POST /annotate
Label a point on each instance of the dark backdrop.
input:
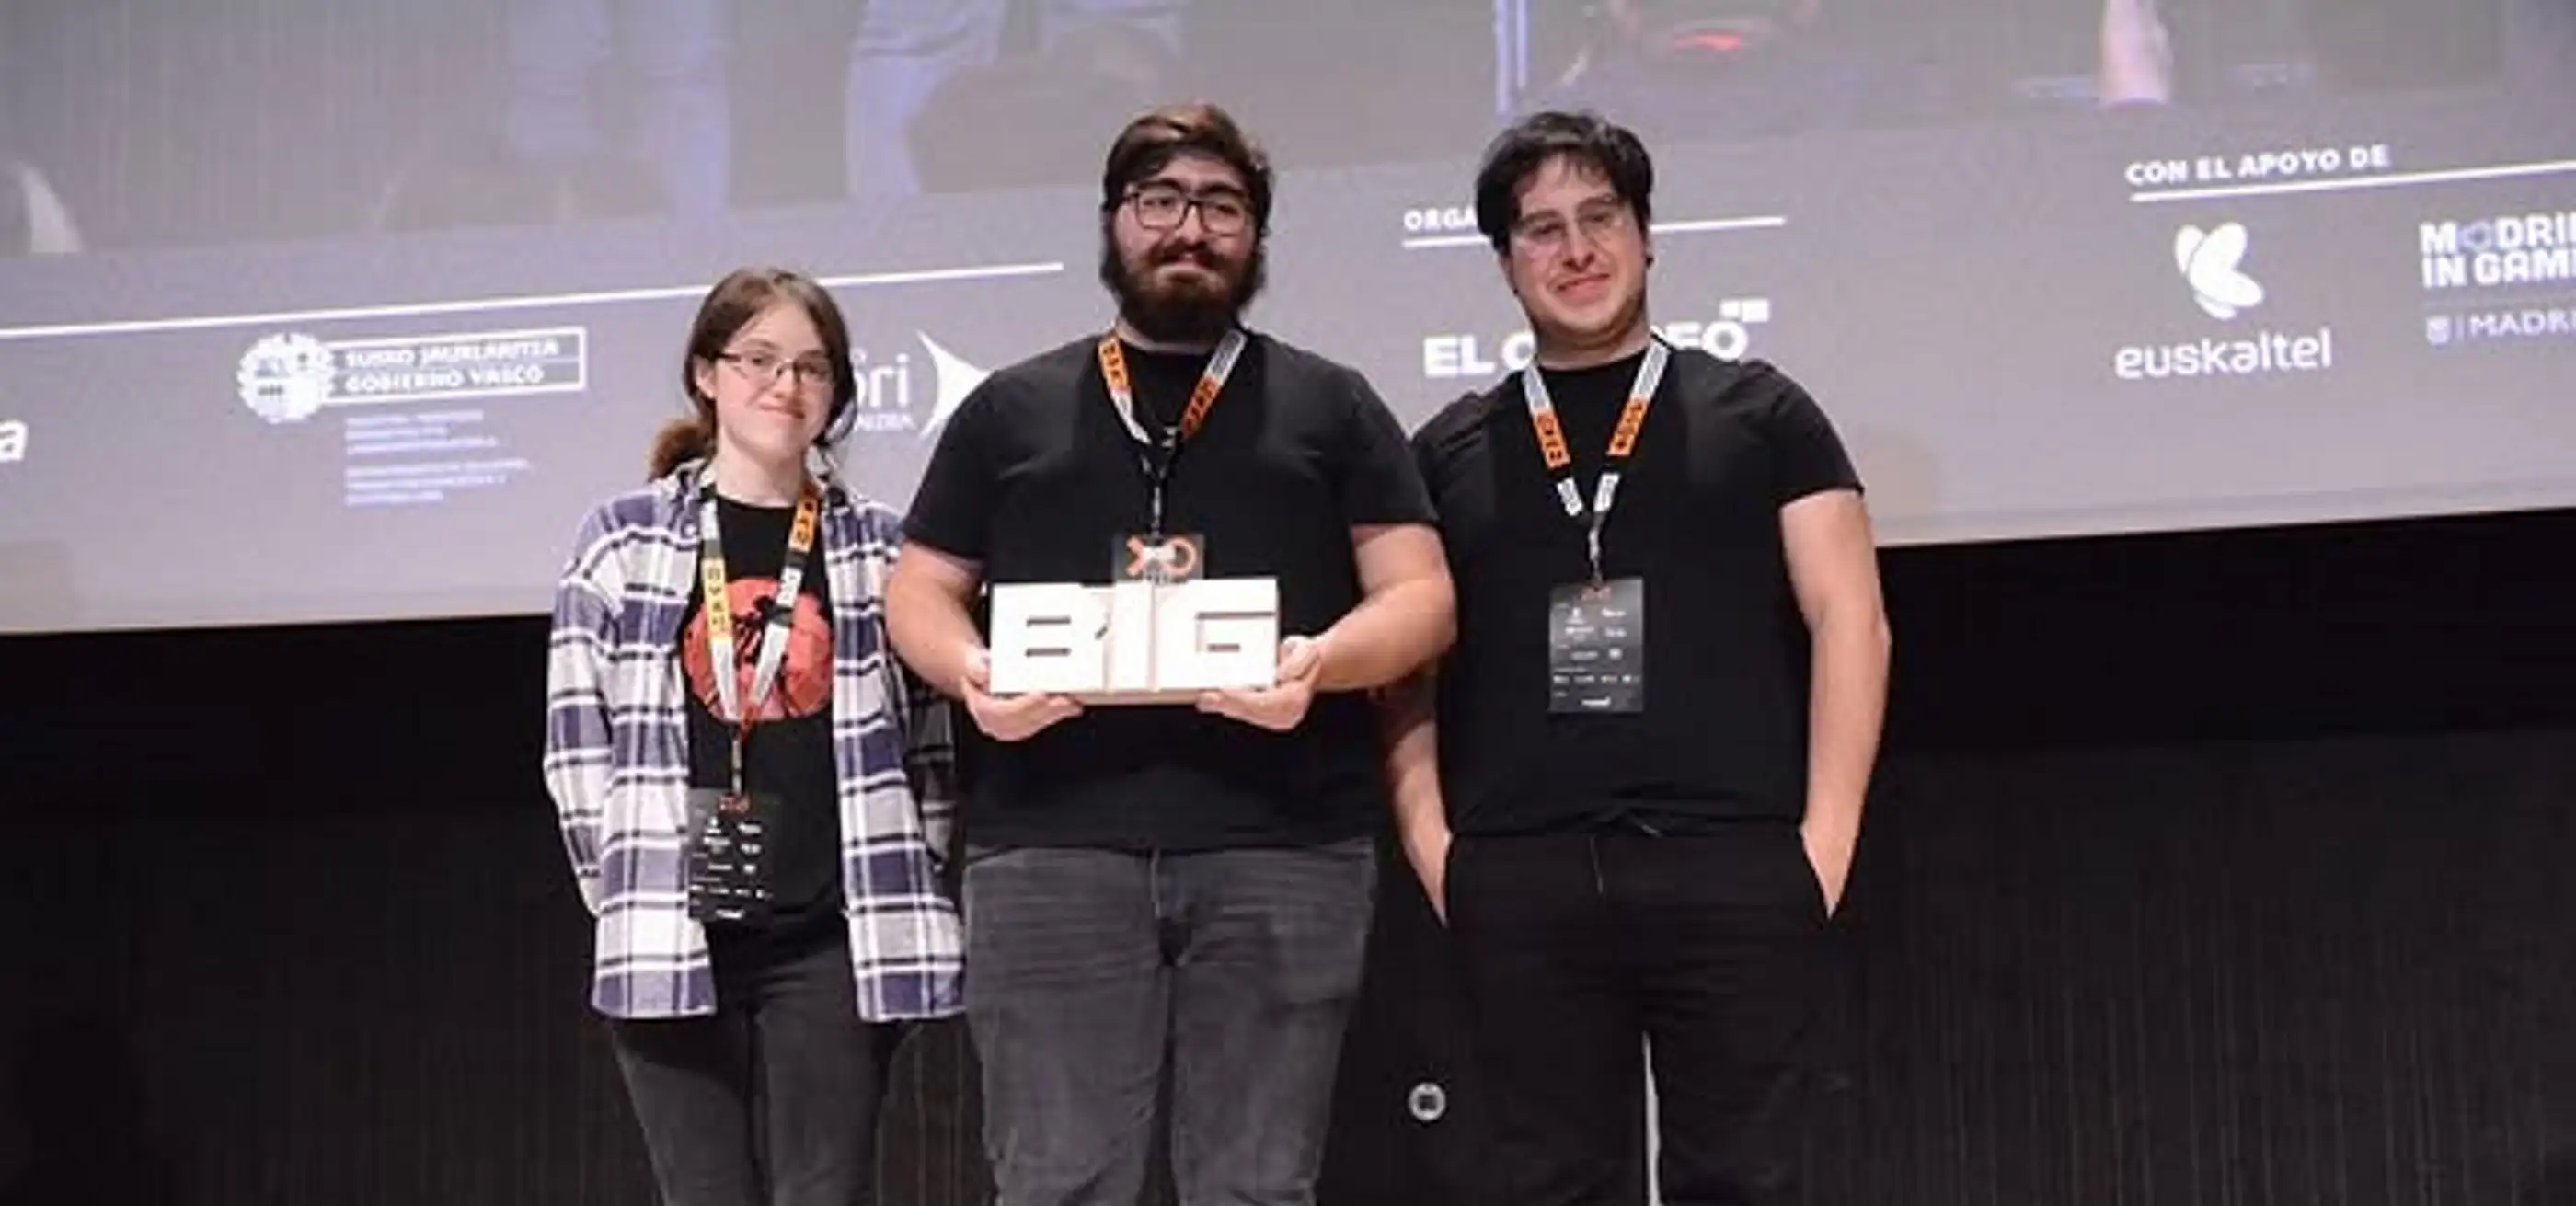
(2213, 868)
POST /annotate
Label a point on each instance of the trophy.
(1159, 634)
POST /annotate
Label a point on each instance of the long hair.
(734, 302)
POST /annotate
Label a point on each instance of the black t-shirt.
(1723, 732)
(789, 751)
(1035, 478)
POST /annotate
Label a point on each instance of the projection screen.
(318, 310)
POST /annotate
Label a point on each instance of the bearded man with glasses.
(1172, 893)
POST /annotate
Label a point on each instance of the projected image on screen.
(344, 309)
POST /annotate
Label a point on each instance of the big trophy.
(1158, 634)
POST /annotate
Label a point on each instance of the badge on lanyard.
(1596, 647)
(728, 839)
(728, 835)
(1171, 559)
(1596, 639)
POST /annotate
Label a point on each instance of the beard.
(1184, 312)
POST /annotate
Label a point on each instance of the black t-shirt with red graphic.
(789, 751)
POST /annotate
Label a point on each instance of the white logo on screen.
(13, 441)
(956, 379)
(885, 394)
(285, 378)
(1728, 336)
(2499, 252)
(2211, 263)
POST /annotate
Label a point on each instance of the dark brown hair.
(729, 307)
(1584, 138)
(1155, 137)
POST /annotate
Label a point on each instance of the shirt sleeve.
(1807, 456)
(952, 509)
(923, 716)
(929, 757)
(577, 744)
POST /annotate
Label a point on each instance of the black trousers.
(1578, 951)
(773, 1100)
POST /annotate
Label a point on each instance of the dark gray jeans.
(1096, 977)
(773, 1100)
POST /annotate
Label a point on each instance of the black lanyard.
(717, 605)
(1158, 456)
(1623, 445)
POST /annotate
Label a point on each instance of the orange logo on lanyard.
(1551, 440)
(1632, 419)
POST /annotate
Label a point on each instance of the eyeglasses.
(1164, 206)
(1598, 220)
(763, 369)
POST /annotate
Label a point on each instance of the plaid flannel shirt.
(617, 762)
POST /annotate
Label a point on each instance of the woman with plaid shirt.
(762, 845)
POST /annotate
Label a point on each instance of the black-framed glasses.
(763, 369)
(1161, 205)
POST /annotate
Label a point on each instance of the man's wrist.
(1320, 648)
(961, 682)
